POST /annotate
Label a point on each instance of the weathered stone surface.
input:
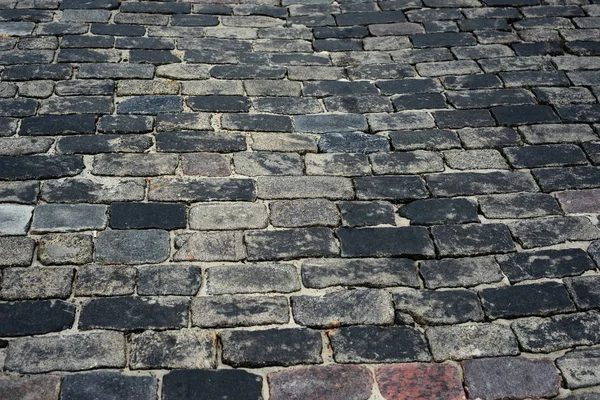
(440, 211)
(420, 380)
(37, 283)
(439, 307)
(16, 251)
(133, 313)
(585, 291)
(470, 341)
(379, 242)
(303, 212)
(580, 368)
(68, 217)
(228, 216)
(32, 387)
(147, 216)
(271, 347)
(511, 377)
(19, 192)
(132, 246)
(579, 201)
(346, 307)
(113, 280)
(544, 335)
(252, 278)
(109, 385)
(374, 344)
(288, 187)
(88, 191)
(198, 141)
(321, 382)
(459, 272)
(342, 164)
(25, 318)
(472, 183)
(553, 230)
(169, 280)
(187, 348)
(290, 243)
(65, 248)
(223, 189)
(210, 246)
(73, 352)
(231, 384)
(472, 239)
(241, 310)
(135, 164)
(544, 264)
(518, 205)
(206, 164)
(14, 219)
(370, 272)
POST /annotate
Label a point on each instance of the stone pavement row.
(299, 199)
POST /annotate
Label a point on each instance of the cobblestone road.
(299, 199)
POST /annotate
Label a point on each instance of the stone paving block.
(146, 216)
(132, 246)
(319, 382)
(544, 335)
(232, 384)
(33, 387)
(405, 381)
(580, 368)
(375, 344)
(553, 230)
(133, 313)
(68, 217)
(271, 347)
(65, 248)
(19, 192)
(459, 342)
(135, 164)
(37, 283)
(472, 239)
(72, 352)
(108, 385)
(16, 251)
(168, 280)
(88, 191)
(224, 189)
(439, 211)
(267, 163)
(341, 308)
(23, 318)
(228, 216)
(473, 183)
(240, 310)
(303, 213)
(365, 213)
(15, 219)
(518, 205)
(459, 272)
(579, 201)
(544, 264)
(96, 280)
(290, 243)
(187, 349)
(584, 291)
(380, 242)
(209, 246)
(252, 278)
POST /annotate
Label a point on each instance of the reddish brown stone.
(206, 164)
(580, 201)
(332, 382)
(35, 387)
(420, 381)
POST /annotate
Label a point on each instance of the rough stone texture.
(229, 384)
(35, 317)
(252, 278)
(471, 340)
(580, 368)
(14, 219)
(189, 349)
(290, 243)
(97, 280)
(32, 387)
(16, 251)
(459, 272)
(37, 283)
(74, 352)
(169, 280)
(242, 310)
(320, 382)
(132, 247)
(472, 239)
(228, 216)
(496, 378)
(554, 230)
(420, 380)
(68, 217)
(348, 307)
(65, 248)
(108, 385)
(210, 246)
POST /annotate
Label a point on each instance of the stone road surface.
(299, 199)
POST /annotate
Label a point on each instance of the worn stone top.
(299, 199)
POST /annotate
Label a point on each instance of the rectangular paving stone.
(290, 243)
(16, 251)
(168, 280)
(538, 299)
(200, 141)
(325, 123)
(68, 217)
(471, 183)
(267, 163)
(257, 122)
(399, 121)
(65, 249)
(303, 213)
(37, 283)
(252, 278)
(72, 352)
(79, 190)
(584, 291)
(545, 155)
(210, 246)
(133, 313)
(366, 213)
(135, 164)
(19, 192)
(414, 162)
(215, 189)
(545, 335)
(132, 246)
(553, 179)
(187, 348)
(579, 368)
(240, 310)
(343, 164)
(385, 242)
(516, 377)
(124, 124)
(430, 139)
(370, 344)
(285, 187)
(459, 272)
(472, 239)
(390, 188)
(147, 216)
(345, 307)
(24, 318)
(553, 230)
(578, 201)
(108, 384)
(518, 205)
(14, 219)
(115, 71)
(228, 216)
(544, 264)
(234, 384)
(369, 272)
(272, 347)
(439, 211)
(98, 280)
(32, 387)
(470, 340)
(39, 167)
